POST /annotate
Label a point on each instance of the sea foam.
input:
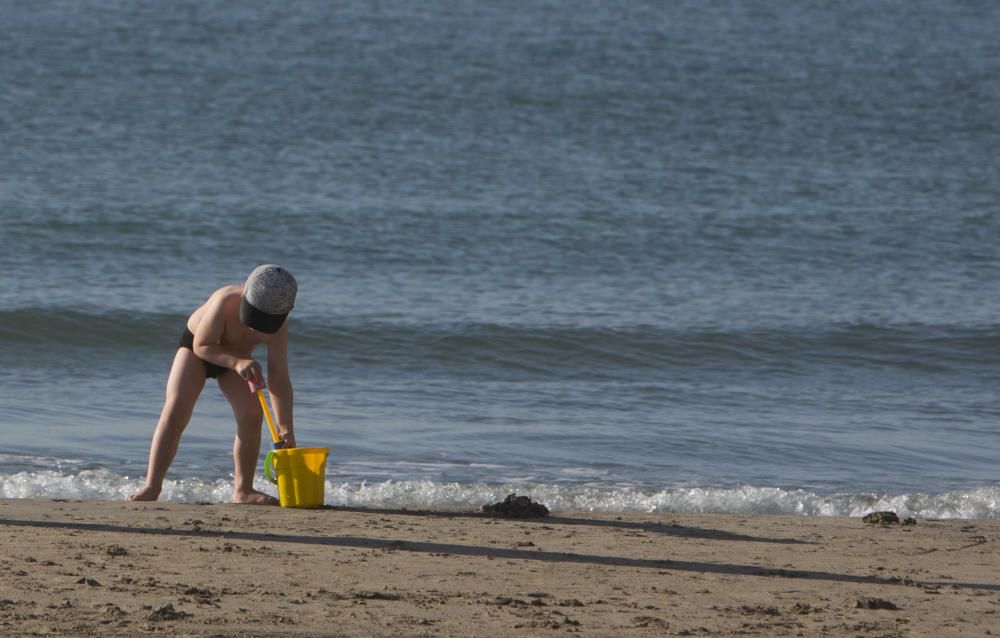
(974, 503)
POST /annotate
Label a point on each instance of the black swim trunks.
(212, 371)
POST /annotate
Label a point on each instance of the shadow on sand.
(671, 529)
(358, 542)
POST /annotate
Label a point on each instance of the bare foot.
(253, 497)
(145, 494)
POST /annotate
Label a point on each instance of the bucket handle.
(268, 464)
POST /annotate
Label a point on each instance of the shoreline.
(116, 568)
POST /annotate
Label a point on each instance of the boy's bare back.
(221, 315)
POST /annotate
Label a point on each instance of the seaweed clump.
(515, 506)
(887, 518)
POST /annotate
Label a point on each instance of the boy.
(217, 344)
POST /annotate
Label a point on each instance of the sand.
(122, 569)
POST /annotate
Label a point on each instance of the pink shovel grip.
(254, 386)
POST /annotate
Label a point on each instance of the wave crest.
(974, 503)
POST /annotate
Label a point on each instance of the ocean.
(626, 257)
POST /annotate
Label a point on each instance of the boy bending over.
(217, 343)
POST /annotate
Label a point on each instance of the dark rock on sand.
(874, 603)
(805, 608)
(760, 609)
(167, 612)
(881, 518)
(515, 506)
(376, 595)
(508, 601)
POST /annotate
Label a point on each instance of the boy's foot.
(145, 494)
(253, 497)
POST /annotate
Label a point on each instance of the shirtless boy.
(218, 343)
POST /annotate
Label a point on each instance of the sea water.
(644, 256)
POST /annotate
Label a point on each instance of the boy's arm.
(208, 335)
(280, 383)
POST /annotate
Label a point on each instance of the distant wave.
(567, 349)
(60, 326)
(977, 503)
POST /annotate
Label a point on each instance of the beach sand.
(109, 568)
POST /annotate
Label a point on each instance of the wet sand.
(108, 568)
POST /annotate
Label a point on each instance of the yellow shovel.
(259, 389)
(277, 443)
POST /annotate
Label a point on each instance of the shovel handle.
(259, 390)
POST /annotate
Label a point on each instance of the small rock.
(760, 609)
(874, 603)
(376, 595)
(881, 518)
(504, 601)
(515, 506)
(167, 612)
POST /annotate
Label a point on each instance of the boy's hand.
(288, 440)
(250, 370)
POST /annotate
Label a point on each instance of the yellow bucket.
(301, 475)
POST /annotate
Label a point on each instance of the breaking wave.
(974, 503)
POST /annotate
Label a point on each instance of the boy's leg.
(186, 380)
(246, 447)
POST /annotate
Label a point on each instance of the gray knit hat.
(268, 297)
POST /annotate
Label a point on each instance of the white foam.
(104, 485)
(975, 503)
